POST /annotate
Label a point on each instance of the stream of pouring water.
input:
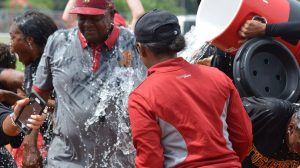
(196, 47)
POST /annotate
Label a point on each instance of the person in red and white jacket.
(183, 115)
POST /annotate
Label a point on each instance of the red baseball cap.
(90, 7)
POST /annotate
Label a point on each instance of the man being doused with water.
(276, 132)
(92, 69)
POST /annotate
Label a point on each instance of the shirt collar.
(35, 63)
(109, 42)
(167, 66)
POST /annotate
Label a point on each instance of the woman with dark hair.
(183, 115)
(29, 33)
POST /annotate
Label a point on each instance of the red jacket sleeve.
(145, 133)
(239, 125)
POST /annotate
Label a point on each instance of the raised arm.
(69, 19)
(137, 10)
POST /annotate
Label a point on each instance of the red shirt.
(186, 115)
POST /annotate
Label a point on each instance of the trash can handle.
(260, 18)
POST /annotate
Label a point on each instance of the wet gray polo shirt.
(91, 122)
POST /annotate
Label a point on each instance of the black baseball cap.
(156, 26)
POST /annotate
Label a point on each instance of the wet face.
(95, 28)
(19, 44)
(293, 139)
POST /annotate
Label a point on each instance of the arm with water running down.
(239, 124)
(145, 133)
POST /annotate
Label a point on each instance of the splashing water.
(193, 43)
(124, 76)
(115, 92)
(196, 47)
(200, 53)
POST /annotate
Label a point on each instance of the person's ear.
(290, 128)
(143, 51)
(29, 41)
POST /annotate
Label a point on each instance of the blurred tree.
(121, 5)
(59, 4)
(176, 6)
(2, 4)
(191, 6)
(24, 4)
(170, 5)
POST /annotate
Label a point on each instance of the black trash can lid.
(263, 67)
